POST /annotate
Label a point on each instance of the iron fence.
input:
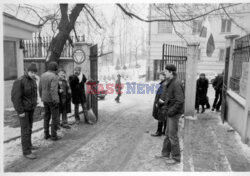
(172, 54)
(38, 47)
(240, 55)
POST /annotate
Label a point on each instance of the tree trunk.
(65, 26)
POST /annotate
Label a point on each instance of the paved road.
(120, 141)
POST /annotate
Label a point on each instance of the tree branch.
(75, 13)
(242, 28)
(131, 15)
(92, 17)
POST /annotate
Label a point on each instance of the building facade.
(14, 31)
(162, 32)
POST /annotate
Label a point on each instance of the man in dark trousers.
(217, 85)
(173, 108)
(24, 98)
(77, 84)
(118, 88)
(48, 89)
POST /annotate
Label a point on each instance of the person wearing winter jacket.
(217, 85)
(48, 90)
(157, 111)
(65, 98)
(24, 99)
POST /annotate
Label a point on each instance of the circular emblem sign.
(79, 56)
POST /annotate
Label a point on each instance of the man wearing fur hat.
(24, 99)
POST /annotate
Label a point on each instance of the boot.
(203, 109)
(30, 156)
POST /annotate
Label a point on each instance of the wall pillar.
(20, 60)
(190, 85)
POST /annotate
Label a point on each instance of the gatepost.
(81, 56)
(191, 71)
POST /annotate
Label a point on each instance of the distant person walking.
(64, 97)
(118, 88)
(77, 84)
(173, 110)
(217, 85)
(24, 99)
(157, 107)
(201, 93)
(48, 89)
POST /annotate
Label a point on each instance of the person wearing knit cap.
(48, 90)
(24, 99)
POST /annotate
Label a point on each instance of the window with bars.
(197, 25)
(239, 77)
(226, 25)
(164, 27)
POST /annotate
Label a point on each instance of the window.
(197, 25)
(10, 61)
(226, 25)
(164, 27)
(222, 55)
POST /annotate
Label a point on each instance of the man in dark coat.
(201, 92)
(77, 84)
(48, 89)
(118, 88)
(65, 98)
(173, 108)
(217, 85)
(157, 111)
(24, 99)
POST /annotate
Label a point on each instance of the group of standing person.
(56, 93)
(167, 109)
(201, 93)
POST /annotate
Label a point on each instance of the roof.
(14, 18)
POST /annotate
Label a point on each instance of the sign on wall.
(79, 56)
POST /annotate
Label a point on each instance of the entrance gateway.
(172, 54)
(85, 56)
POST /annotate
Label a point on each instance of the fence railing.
(172, 54)
(38, 47)
(240, 56)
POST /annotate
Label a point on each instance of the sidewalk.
(210, 145)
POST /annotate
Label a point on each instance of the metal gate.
(225, 85)
(172, 54)
(94, 78)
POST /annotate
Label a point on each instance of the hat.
(170, 67)
(32, 67)
(53, 66)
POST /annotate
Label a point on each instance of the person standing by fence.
(173, 109)
(48, 90)
(24, 99)
(217, 85)
(201, 93)
(64, 97)
(157, 107)
(77, 84)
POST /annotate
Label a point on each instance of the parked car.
(210, 75)
(101, 93)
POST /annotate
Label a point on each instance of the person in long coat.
(118, 88)
(77, 84)
(157, 107)
(201, 92)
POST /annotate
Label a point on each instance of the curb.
(36, 130)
